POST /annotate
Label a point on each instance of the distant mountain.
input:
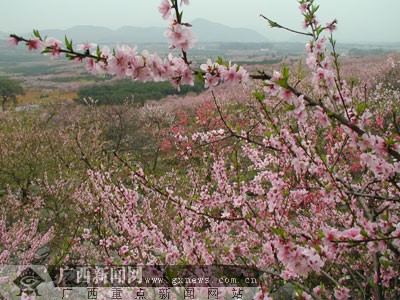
(80, 34)
(205, 31)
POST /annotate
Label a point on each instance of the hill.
(205, 31)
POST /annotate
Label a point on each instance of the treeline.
(367, 52)
(118, 92)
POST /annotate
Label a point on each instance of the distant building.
(27, 107)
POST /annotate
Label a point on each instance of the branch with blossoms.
(123, 61)
(178, 34)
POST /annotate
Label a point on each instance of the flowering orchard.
(299, 178)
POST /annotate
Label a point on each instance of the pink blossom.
(352, 234)
(330, 234)
(303, 7)
(209, 67)
(86, 233)
(322, 117)
(379, 121)
(211, 80)
(187, 77)
(380, 168)
(276, 76)
(91, 66)
(180, 37)
(34, 44)
(319, 45)
(54, 45)
(286, 94)
(120, 62)
(342, 293)
(165, 9)
(331, 26)
(365, 118)
(124, 249)
(13, 41)
(109, 242)
(305, 24)
(212, 73)
(299, 111)
(365, 142)
(312, 61)
(317, 290)
(271, 89)
(86, 46)
(229, 74)
(242, 76)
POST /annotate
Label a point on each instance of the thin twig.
(274, 24)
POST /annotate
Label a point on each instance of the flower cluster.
(179, 36)
(126, 62)
(20, 240)
(50, 45)
(178, 33)
(217, 72)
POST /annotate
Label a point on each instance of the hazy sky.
(359, 20)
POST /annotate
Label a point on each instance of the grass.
(44, 96)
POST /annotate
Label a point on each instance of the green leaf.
(47, 50)
(37, 34)
(290, 107)
(234, 157)
(98, 51)
(200, 77)
(364, 233)
(259, 95)
(390, 142)
(68, 44)
(385, 263)
(220, 60)
(314, 8)
(361, 107)
(70, 56)
(319, 30)
(279, 231)
(273, 24)
(285, 72)
(283, 83)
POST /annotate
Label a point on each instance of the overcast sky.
(359, 20)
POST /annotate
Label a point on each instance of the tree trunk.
(378, 285)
